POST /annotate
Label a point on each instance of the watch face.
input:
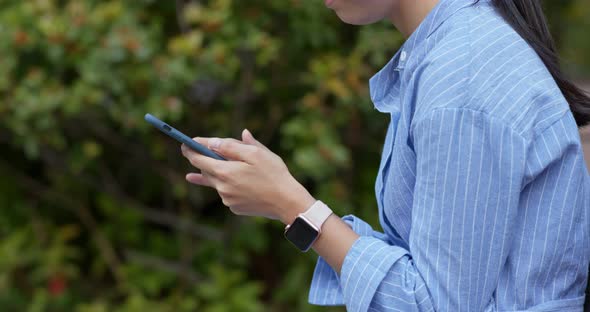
(301, 234)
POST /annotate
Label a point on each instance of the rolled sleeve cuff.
(325, 286)
(365, 266)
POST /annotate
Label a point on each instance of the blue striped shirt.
(483, 193)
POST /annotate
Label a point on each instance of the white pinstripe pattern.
(464, 211)
(444, 191)
(483, 238)
(551, 208)
(427, 251)
(510, 74)
(486, 82)
(444, 80)
(481, 157)
(355, 288)
(490, 45)
(493, 227)
(509, 92)
(517, 102)
(399, 213)
(546, 177)
(493, 162)
(452, 212)
(428, 173)
(481, 25)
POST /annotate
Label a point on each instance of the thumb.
(249, 139)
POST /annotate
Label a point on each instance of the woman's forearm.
(334, 242)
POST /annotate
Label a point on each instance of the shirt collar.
(385, 81)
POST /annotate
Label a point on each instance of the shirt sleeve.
(469, 172)
(325, 284)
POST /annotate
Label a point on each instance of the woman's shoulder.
(478, 62)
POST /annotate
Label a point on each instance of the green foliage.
(95, 214)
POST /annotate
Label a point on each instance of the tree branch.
(179, 16)
(162, 264)
(83, 213)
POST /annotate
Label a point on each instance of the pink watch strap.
(317, 213)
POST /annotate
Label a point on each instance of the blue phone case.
(181, 137)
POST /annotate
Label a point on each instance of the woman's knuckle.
(221, 172)
(256, 152)
(236, 211)
(194, 161)
(223, 192)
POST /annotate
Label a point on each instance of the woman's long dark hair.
(527, 19)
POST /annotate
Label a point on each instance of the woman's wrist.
(296, 202)
(337, 237)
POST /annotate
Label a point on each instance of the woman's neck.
(408, 14)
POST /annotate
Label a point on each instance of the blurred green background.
(95, 214)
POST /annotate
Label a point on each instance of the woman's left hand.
(253, 181)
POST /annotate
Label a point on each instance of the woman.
(482, 191)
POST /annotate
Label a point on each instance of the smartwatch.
(306, 228)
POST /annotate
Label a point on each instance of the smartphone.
(181, 137)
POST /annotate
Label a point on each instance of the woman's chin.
(354, 19)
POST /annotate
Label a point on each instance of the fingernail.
(214, 143)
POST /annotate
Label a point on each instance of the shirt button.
(403, 56)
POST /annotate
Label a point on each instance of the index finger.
(213, 166)
(199, 160)
(229, 148)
